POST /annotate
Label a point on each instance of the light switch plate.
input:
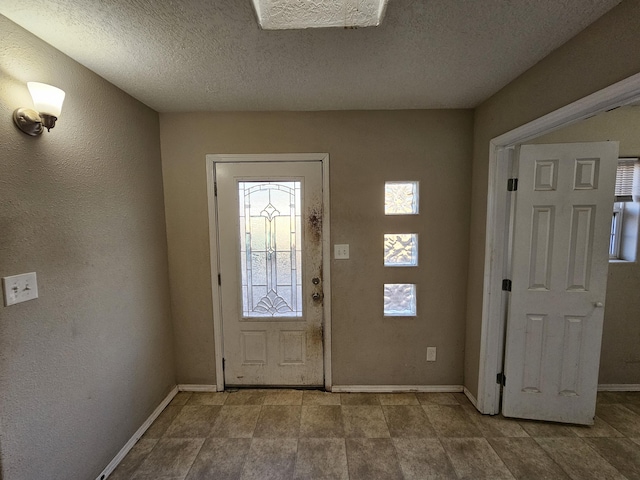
(341, 252)
(19, 288)
(431, 354)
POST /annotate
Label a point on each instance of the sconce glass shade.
(47, 99)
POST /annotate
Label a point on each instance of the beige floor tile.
(622, 453)
(600, 428)
(451, 421)
(398, 399)
(359, 399)
(171, 458)
(474, 459)
(494, 425)
(236, 421)
(321, 458)
(635, 440)
(407, 421)
(270, 459)
(618, 397)
(317, 397)
(220, 459)
(462, 399)
(526, 459)
(181, 398)
(372, 458)
(160, 425)
(278, 421)
(321, 421)
(366, 421)
(134, 459)
(283, 397)
(437, 398)
(546, 429)
(193, 421)
(207, 398)
(621, 418)
(632, 397)
(246, 397)
(634, 407)
(578, 459)
(610, 397)
(423, 459)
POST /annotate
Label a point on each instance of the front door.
(559, 277)
(270, 241)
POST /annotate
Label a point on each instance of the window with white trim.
(626, 211)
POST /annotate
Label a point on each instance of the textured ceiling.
(211, 55)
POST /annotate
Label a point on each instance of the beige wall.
(620, 356)
(597, 57)
(84, 365)
(366, 148)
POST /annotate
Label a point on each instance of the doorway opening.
(497, 253)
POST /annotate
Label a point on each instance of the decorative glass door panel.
(270, 248)
(270, 241)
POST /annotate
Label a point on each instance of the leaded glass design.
(399, 300)
(400, 249)
(401, 198)
(270, 248)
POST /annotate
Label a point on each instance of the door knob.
(316, 296)
(598, 304)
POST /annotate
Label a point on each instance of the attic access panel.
(301, 14)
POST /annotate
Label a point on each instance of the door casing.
(496, 260)
(211, 161)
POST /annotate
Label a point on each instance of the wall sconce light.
(47, 101)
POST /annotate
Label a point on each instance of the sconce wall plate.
(28, 120)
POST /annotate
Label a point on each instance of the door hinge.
(219, 280)
(506, 285)
(223, 364)
(501, 379)
(215, 189)
(512, 184)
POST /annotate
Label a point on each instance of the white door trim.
(211, 160)
(495, 264)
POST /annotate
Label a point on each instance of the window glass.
(401, 198)
(271, 260)
(400, 249)
(399, 300)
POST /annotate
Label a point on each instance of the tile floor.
(292, 434)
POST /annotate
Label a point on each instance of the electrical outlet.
(19, 288)
(341, 252)
(431, 354)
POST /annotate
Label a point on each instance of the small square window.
(399, 300)
(401, 198)
(400, 249)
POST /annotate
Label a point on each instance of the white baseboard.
(136, 436)
(471, 398)
(619, 387)
(184, 387)
(396, 388)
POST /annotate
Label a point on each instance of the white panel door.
(270, 242)
(560, 259)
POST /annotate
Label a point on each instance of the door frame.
(211, 161)
(497, 259)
